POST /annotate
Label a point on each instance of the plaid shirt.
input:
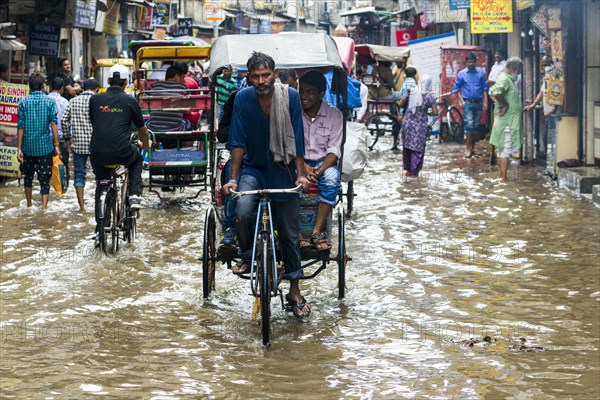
(76, 123)
(36, 112)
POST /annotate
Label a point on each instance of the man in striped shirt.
(37, 117)
(77, 128)
(225, 86)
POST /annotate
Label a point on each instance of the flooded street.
(438, 264)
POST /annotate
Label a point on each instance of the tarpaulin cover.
(369, 53)
(289, 50)
(345, 47)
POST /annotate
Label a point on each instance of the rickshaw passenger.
(271, 159)
(323, 128)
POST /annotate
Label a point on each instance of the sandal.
(242, 267)
(319, 240)
(305, 243)
(297, 307)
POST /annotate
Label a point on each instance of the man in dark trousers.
(111, 115)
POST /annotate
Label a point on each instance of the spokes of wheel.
(455, 125)
(108, 235)
(209, 253)
(342, 258)
(264, 288)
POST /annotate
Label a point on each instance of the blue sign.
(44, 40)
(85, 14)
(460, 5)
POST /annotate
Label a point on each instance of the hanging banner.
(491, 16)
(540, 19)
(108, 22)
(164, 13)
(556, 91)
(556, 45)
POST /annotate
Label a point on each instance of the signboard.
(159, 34)
(43, 40)
(164, 13)
(426, 55)
(540, 19)
(525, 4)
(460, 5)
(10, 96)
(85, 14)
(403, 36)
(185, 27)
(108, 22)
(491, 16)
(9, 164)
(214, 13)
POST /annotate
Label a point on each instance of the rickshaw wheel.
(377, 125)
(350, 198)
(209, 253)
(341, 256)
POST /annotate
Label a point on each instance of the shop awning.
(11, 45)
(368, 10)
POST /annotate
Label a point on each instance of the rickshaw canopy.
(371, 53)
(289, 50)
(109, 62)
(171, 53)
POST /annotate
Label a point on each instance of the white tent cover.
(289, 50)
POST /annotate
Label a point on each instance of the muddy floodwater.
(460, 287)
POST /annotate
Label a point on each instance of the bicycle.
(264, 275)
(452, 124)
(117, 219)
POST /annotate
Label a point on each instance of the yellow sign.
(9, 165)
(491, 16)
(525, 4)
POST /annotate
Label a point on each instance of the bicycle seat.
(112, 166)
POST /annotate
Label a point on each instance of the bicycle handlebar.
(263, 192)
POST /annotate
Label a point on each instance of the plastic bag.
(355, 151)
(59, 176)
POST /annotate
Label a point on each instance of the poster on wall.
(491, 16)
(556, 91)
(556, 45)
(164, 13)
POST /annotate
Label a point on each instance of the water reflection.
(439, 263)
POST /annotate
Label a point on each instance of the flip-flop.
(244, 265)
(296, 307)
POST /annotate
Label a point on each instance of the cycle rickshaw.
(318, 51)
(381, 113)
(178, 120)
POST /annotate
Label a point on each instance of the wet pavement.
(460, 287)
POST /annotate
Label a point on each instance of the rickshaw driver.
(323, 134)
(258, 111)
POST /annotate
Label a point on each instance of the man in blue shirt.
(37, 118)
(254, 110)
(471, 86)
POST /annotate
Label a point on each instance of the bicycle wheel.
(107, 235)
(264, 286)
(456, 127)
(208, 253)
(378, 125)
(350, 198)
(341, 256)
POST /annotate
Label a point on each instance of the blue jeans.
(329, 183)
(229, 203)
(472, 116)
(79, 164)
(285, 216)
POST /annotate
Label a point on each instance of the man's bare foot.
(299, 305)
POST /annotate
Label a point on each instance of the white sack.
(355, 151)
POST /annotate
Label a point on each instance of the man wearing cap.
(111, 115)
(225, 86)
(77, 129)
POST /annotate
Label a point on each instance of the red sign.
(403, 36)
